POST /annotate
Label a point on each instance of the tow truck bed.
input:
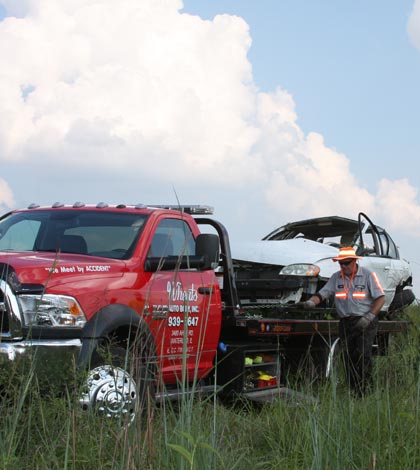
(266, 327)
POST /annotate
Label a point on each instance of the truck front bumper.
(50, 361)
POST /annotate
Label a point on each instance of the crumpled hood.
(283, 252)
(40, 268)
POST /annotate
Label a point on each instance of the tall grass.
(338, 431)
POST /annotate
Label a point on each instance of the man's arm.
(324, 293)
(313, 301)
(368, 318)
(377, 305)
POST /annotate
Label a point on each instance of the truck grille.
(4, 316)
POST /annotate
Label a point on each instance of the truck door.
(184, 305)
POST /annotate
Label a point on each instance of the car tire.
(403, 298)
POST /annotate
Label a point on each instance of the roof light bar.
(193, 209)
(196, 209)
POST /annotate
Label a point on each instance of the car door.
(380, 254)
(185, 307)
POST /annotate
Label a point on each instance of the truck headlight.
(300, 269)
(51, 310)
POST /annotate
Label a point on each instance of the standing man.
(359, 298)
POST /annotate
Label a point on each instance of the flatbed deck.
(266, 327)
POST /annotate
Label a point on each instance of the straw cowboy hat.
(346, 253)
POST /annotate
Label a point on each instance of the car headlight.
(301, 269)
(51, 310)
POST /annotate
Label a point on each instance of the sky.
(270, 111)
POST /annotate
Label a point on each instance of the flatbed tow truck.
(144, 305)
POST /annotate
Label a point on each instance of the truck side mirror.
(207, 246)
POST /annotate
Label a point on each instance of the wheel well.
(407, 283)
(123, 335)
(129, 336)
(114, 325)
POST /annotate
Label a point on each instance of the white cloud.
(144, 87)
(317, 181)
(398, 206)
(6, 195)
(414, 24)
(137, 79)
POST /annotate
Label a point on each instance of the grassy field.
(380, 431)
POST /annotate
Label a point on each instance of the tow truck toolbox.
(142, 304)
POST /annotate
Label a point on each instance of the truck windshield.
(94, 233)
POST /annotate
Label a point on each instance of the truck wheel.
(119, 385)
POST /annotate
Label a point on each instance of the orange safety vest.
(356, 295)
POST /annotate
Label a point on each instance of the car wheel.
(403, 298)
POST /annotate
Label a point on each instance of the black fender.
(108, 320)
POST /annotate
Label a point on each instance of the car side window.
(369, 244)
(389, 246)
(173, 237)
(393, 250)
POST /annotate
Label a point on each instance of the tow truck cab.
(71, 275)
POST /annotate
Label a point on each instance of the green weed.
(338, 431)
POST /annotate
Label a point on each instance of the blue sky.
(270, 110)
(351, 69)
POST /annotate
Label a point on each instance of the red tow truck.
(143, 304)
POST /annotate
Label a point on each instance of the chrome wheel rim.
(111, 392)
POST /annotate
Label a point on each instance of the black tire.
(403, 298)
(119, 383)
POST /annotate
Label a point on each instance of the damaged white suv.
(294, 261)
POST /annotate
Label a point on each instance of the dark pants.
(357, 347)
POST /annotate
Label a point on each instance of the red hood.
(36, 268)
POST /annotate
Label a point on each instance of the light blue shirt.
(353, 295)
